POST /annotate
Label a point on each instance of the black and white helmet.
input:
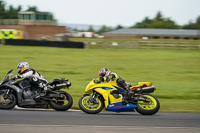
(104, 72)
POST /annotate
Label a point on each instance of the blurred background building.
(31, 25)
(140, 33)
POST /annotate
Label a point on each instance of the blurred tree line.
(12, 13)
(158, 22)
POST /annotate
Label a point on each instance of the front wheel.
(7, 102)
(89, 105)
(149, 107)
(62, 104)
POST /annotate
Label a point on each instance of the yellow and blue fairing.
(111, 103)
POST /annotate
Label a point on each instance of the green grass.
(175, 73)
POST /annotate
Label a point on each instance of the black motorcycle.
(23, 94)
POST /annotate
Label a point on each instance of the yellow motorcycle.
(109, 96)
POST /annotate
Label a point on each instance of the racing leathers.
(35, 79)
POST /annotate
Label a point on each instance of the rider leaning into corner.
(34, 77)
(105, 75)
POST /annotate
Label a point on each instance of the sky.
(113, 12)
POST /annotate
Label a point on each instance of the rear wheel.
(62, 104)
(7, 102)
(90, 106)
(149, 107)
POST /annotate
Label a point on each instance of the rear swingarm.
(49, 99)
(53, 97)
(140, 97)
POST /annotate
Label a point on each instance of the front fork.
(93, 97)
(5, 98)
(6, 94)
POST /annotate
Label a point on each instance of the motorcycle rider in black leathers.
(106, 75)
(34, 77)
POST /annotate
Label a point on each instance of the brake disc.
(91, 104)
(3, 100)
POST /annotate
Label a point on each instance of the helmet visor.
(22, 70)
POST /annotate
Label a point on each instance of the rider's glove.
(17, 77)
(96, 81)
(101, 79)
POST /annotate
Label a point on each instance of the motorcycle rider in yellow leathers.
(105, 75)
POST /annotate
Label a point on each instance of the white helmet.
(22, 66)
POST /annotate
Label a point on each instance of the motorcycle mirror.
(10, 71)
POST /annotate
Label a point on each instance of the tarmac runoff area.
(15, 128)
(25, 121)
(16, 107)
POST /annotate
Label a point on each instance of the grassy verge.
(175, 73)
(139, 43)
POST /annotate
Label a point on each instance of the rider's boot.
(127, 96)
(130, 93)
(45, 89)
(124, 100)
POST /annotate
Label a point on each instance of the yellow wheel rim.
(85, 99)
(148, 105)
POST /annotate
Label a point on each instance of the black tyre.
(148, 108)
(9, 102)
(89, 107)
(62, 104)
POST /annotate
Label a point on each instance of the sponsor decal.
(118, 106)
(111, 105)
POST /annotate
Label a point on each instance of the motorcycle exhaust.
(61, 85)
(148, 89)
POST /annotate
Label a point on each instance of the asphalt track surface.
(71, 121)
